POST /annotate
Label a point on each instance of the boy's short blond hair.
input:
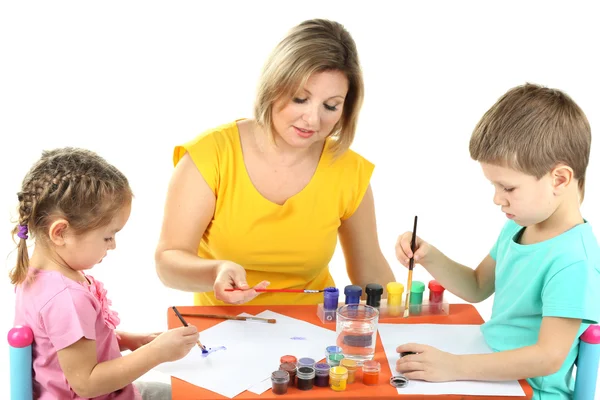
(533, 129)
(313, 46)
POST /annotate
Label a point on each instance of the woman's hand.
(233, 276)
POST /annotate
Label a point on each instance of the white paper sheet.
(456, 339)
(253, 353)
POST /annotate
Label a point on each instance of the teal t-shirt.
(559, 277)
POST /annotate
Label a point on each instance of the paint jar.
(395, 291)
(356, 329)
(337, 378)
(305, 378)
(353, 293)
(351, 366)
(331, 297)
(436, 296)
(334, 359)
(306, 362)
(374, 292)
(322, 374)
(291, 370)
(288, 359)
(416, 297)
(371, 370)
(279, 381)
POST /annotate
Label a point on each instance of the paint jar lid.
(353, 290)
(322, 369)
(331, 292)
(417, 287)
(306, 373)
(336, 357)
(435, 286)
(374, 289)
(395, 288)
(332, 349)
(288, 359)
(306, 362)
(338, 373)
(371, 366)
(350, 365)
(280, 377)
(288, 367)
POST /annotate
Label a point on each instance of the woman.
(261, 201)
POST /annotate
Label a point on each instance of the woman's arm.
(358, 236)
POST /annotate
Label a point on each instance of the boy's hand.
(428, 364)
(174, 344)
(423, 249)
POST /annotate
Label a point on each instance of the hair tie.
(22, 233)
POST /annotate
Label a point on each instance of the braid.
(75, 184)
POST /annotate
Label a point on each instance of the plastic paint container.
(322, 374)
(337, 378)
(353, 293)
(351, 366)
(371, 370)
(306, 362)
(305, 377)
(395, 291)
(288, 359)
(279, 381)
(416, 297)
(334, 359)
(374, 292)
(331, 297)
(291, 370)
(436, 296)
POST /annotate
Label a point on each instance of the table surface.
(459, 314)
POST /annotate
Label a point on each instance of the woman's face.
(310, 115)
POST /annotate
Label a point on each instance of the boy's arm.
(468, 284)
(543, 358)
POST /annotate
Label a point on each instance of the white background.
(131, 80)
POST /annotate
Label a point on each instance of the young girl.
(73, 203)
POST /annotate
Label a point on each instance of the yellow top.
(289, 245)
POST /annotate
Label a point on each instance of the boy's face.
(522, 197)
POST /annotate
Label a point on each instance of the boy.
(534, 146)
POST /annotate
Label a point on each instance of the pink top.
(61, 311)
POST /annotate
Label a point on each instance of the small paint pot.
(334, 359)
(371, 371)
(338, 377)
(351, 366)
(322, 374)
(288, 359)
(306, 362)
(279, 381)
(305, 378)
(291, 370)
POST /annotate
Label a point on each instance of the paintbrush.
(234, 317)
(411, 265)
(183, 321)
(279, 290)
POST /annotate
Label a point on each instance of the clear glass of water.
(356, 329)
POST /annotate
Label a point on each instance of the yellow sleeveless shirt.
(289, 245)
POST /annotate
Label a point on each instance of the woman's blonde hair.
(313, 46)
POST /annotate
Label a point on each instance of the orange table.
(459, 314)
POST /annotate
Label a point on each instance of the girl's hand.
(137, 340)
(233, 276)
(428, 364)
(174, 344)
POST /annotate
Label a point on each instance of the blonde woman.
(259, 202)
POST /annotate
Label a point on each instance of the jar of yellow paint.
(351, 366)
(394, 299)
(338, 376)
